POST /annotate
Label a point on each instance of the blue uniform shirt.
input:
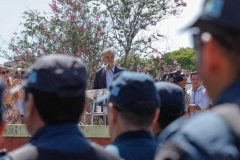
(63, 137)
(137, 145)
(206, 135)
(230, 95)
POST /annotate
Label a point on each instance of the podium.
(95, 111)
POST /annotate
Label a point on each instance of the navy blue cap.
(172, 99)
(225, 13)
(62, 75)
(127, 88)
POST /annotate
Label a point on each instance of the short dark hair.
(164, 120)
(135, 119)
(55, 110)
(193, 73)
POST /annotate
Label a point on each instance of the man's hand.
(171, 80)
(194, 107)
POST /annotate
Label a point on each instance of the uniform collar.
(66, 128)
(198, 89)
(134, 135)
(230, 94)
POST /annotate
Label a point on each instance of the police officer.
(172, 106)
(209, 135)
(54, 100)
(133, 106)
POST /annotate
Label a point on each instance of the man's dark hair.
(164, 120)
(55, 110)
(134, 119)
(193, 73)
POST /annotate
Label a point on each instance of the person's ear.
(84, 109)
(29, 106)
(156, 116)
(113, 113)
(212, 57)
(2, 126)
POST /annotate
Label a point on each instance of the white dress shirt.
(109, 75)
(199, 97)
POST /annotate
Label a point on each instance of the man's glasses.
(5, 72)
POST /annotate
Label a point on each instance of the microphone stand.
(108, 65)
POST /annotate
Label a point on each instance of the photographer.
(180, 78)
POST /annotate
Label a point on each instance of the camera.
(175, 75)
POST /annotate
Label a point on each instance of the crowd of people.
(147, 119)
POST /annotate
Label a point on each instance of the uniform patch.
(214, 7)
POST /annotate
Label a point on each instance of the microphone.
(108, 64)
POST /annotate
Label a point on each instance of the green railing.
(20, 130)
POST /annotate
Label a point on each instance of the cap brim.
(18, 87)
(199, 23)
(103, 98)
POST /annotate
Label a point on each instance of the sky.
(11, 12)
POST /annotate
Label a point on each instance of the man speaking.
(104, 75)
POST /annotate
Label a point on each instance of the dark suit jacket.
(100, 77)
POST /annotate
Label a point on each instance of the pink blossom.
(12, 39)
(56, 15)
(153, 22)
(184, 71)
(69, 1)
(176, 1)
(92, 25)
(169, 67)
(81, 14)
(63, 16)
(81, 29)
(17, 51)
(173, 11)
(72, 17)
(149, 39)
(184, 4)
(56, 37)
(78, 3)
(70, 8)
(175, 62)
(64, 52)
(99, 32)
(41, 25)
(21, 62)
(160, 63)
(99, 66)
(141, 69)
(30, 51)
(40, 47)
(54, 1)
(162, 71)
(78, 53)
(85, 50)
(155, 50)
(97, 17)
(53, 6)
